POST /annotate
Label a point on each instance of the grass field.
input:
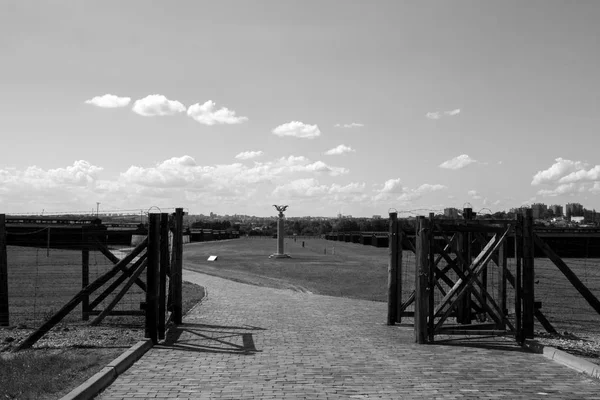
(358, 271)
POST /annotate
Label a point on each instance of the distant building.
(577, 219)
(557, 210)
(573, 210)
(451, 212)
(376, 216)
(538, 210)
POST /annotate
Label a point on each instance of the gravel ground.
(584, 345)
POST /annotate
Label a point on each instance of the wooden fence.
(455, 264)
(158, 256)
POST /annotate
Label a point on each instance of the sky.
(352, 107)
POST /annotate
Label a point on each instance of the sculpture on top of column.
(280, 233)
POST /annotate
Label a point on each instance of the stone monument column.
(280, 233)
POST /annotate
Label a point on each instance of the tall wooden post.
(463, 310)
(518, 277)
(152, 269)
(501, 277)
(431, 280)
(177, 267)
(421, 279)
(164, 265)
(528, 275)
(4, 312)
(393, 270)
(85, 280)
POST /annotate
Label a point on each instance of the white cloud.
(109, 101)
(350, 125)
(247, 155)
(562, 167)
(392, 186)
(207, 115)
(440, 114)
(341, 149)
(458, 162)
(297, 129)
(308, 187)
(354, 187)
(393, 190)
(157, 105)
(583, 175)
(474, 194)
(564, 189)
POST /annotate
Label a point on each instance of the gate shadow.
(205, 338)
(481, 342)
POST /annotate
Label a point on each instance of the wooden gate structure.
(157, 255)
(455, 262)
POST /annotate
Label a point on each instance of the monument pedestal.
(280, 256)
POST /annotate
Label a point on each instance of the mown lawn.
(52, 373)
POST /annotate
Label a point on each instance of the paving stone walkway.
(250, 342)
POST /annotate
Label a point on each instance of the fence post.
(502, 259)
(518, 276)
(463, 310)
(85, 280)
(431, 280)
(528, 276)
(4, 312)
(177, 267)
(164, 265)
(393, 270)
(152, 277)
(421, 279)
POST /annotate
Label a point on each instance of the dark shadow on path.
(204, 338)
(482, 342)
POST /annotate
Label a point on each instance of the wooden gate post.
(518, 277)
(421, 279)
(528, 275)
(501, 294)
(4, 312)
(164, 265)
(463, 309)
(393, 271)
(177, 267)
(431, 279)
(151, 330)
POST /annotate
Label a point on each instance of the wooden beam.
(119, 295)
(421, 280)
(461, 287)
(392, 289)
(569, 274)
(164, 266)
(117, 282)
(4, 310)
(60, 314)
(408, 302)
(177, 267)
(528, 275)
(115, 260)
(518, 278)
(152, 270)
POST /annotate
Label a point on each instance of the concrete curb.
(564, 358)
(108, 374)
